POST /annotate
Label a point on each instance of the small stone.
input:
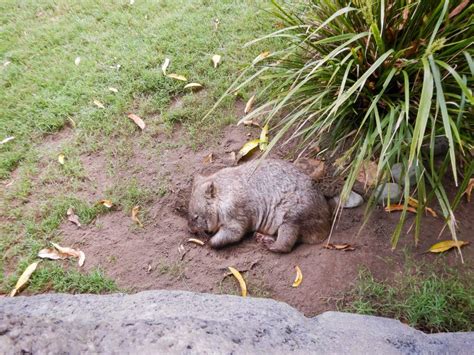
(354, 200)
(388, 189)
(398, 174)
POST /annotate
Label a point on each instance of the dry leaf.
(24, 278)
(6, 140)
(99, 104)
(209, 158)
(138, 121)
(196, 241)
(446, 245)
(113, 89)
(135, 211)
(469, 188)
(6, 64)
(51, 253)
(216, 58)
(247, 148)
(249, 123)
(344, 246)
(177, 77)
(315, 168)
(165, 65)
(61, 159)
(238, 276)
(71, 121)
(82, 258)
(414, 203)
(72, 217)
(106, 203)
(249, 104)
(77, 61)
(458, 9)
(299, 277)
(194, 86)
(263, 144)
(132, 2)
(398, 207)
(368, 173)
(71, 252)
(260, 57)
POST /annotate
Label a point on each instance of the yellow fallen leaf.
(51, 253)
(61, 159)
(6, 140)
(264, 138)
(209, 158)
(194, 86)
(165, 65)
(25, 276)
(138, 121)
(469, 188)
(72, 217)
(446, 245)
(77, 61)
(82, 258)
(196, 241)
(135, 211)
(106, 203)
(113, 89)
(99, 104)
(260, 57)
(398, 207)
(299, 277)
(70, 252)
(177, 77)
(249, 104)
(345, 247)
(216, 58)
(238, 276)
(414, 203)
(66, 250)
(248, 147)
(249, 123)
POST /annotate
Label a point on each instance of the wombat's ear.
(210, 190)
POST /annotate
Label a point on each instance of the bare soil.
(149, 258)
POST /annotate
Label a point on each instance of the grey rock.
(183, 322)
(399, 175)
(388, 189)
(354, 200)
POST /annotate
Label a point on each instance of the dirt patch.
(149, 258)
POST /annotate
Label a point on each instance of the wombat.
(270, 197)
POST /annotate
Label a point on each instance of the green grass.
(51, 276)
(44, 92)
(428, 300)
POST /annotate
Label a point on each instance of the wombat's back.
(273, 192)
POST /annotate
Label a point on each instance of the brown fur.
(271, 197)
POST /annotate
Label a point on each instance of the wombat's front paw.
(266, 240)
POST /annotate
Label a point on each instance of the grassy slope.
(42, 90)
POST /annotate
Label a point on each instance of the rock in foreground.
(184, 322)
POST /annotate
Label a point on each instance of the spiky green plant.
(377, 80)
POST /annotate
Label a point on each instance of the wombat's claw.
(266, 240)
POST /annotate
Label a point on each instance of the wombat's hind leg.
(227, 235)
(286, 239)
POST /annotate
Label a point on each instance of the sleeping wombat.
(271, 197)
